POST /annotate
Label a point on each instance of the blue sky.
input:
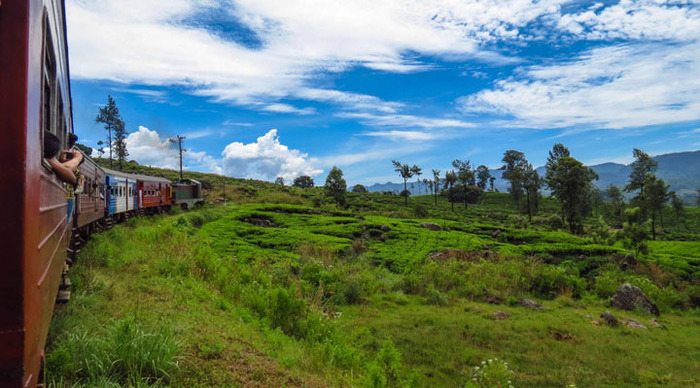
(283, 88)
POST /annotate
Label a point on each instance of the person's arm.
(62, 172)
(73, 163)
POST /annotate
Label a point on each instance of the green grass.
(284, 289)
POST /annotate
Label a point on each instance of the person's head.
(52, 145)
(72, 139)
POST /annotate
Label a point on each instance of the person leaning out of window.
(64, 164)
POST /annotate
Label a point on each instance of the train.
(40, 235)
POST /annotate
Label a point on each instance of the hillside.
(680, 170)
(279, 287)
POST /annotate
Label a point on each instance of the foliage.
(406, 172)
(514, 165)
(335, 186)
(280, 288)
(491, 373)
(116, 130)
(358, 188)
(570, 182)
(303, 182)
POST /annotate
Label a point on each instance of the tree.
(417, 171)
(436, 184)
(698, 198)
(483, 175)
(570, 182)
(279, 181)
(303, 182)
(678, 207)
(616, 207)
(492, 180)
(100, 148)
(112, 120)
(656, 197)
(358, 188)
(532, 184)
(514, 164)
(642, 167)
(120, 143)
(634, 233)
(84, 149)
(406, 172)
(335, 186)
(465, 175)
(450, 180)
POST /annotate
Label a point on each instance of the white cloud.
(267, 159)
(150, 42)
(638, 19)
(400, 120)
(148, 148)
(404, 135)
(613, 87)
(286, 108)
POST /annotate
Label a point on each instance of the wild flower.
(491, 373)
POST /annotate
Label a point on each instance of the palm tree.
(417, 171)
(450, 179)
(436, 184)
(406, 173)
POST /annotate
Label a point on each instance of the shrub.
(421, 211)
(491, 373)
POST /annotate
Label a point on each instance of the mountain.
(680, 170)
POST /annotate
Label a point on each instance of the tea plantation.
(279, 287)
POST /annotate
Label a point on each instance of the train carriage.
(154, 193)
(34, 225)
(121, 191)
(90, 204)
(187, 193)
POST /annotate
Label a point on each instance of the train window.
(49, 96)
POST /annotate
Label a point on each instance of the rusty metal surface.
(33, 215)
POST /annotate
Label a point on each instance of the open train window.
(52, 119)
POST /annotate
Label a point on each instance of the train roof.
(187, 182)
(145, 178)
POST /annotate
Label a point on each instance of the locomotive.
(39, 236)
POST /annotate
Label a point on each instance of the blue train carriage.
(121, 194)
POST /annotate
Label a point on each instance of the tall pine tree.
(116, 130)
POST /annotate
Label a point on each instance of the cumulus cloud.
(638, 19)
(151, 42)
(266, 159)
(614, 87)
(148, 148)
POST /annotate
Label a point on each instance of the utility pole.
(178, 139)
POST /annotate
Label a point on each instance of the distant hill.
(680, 170)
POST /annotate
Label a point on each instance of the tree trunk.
(653, 225)
(405, 192)
(109, 130)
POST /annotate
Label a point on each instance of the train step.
(63, 296)
(65, 283)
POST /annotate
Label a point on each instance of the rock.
(629, 297)
(559, 336)
(431, 226)
(493, 299)
(531, 304)
(496, 233)
(633, 324)
(609, 319)
(499, 315)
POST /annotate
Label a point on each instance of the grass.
(284, 289)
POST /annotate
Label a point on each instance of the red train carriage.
(90, 204)
(154, 193)
(34, 97)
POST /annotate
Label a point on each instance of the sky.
(262, 88)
